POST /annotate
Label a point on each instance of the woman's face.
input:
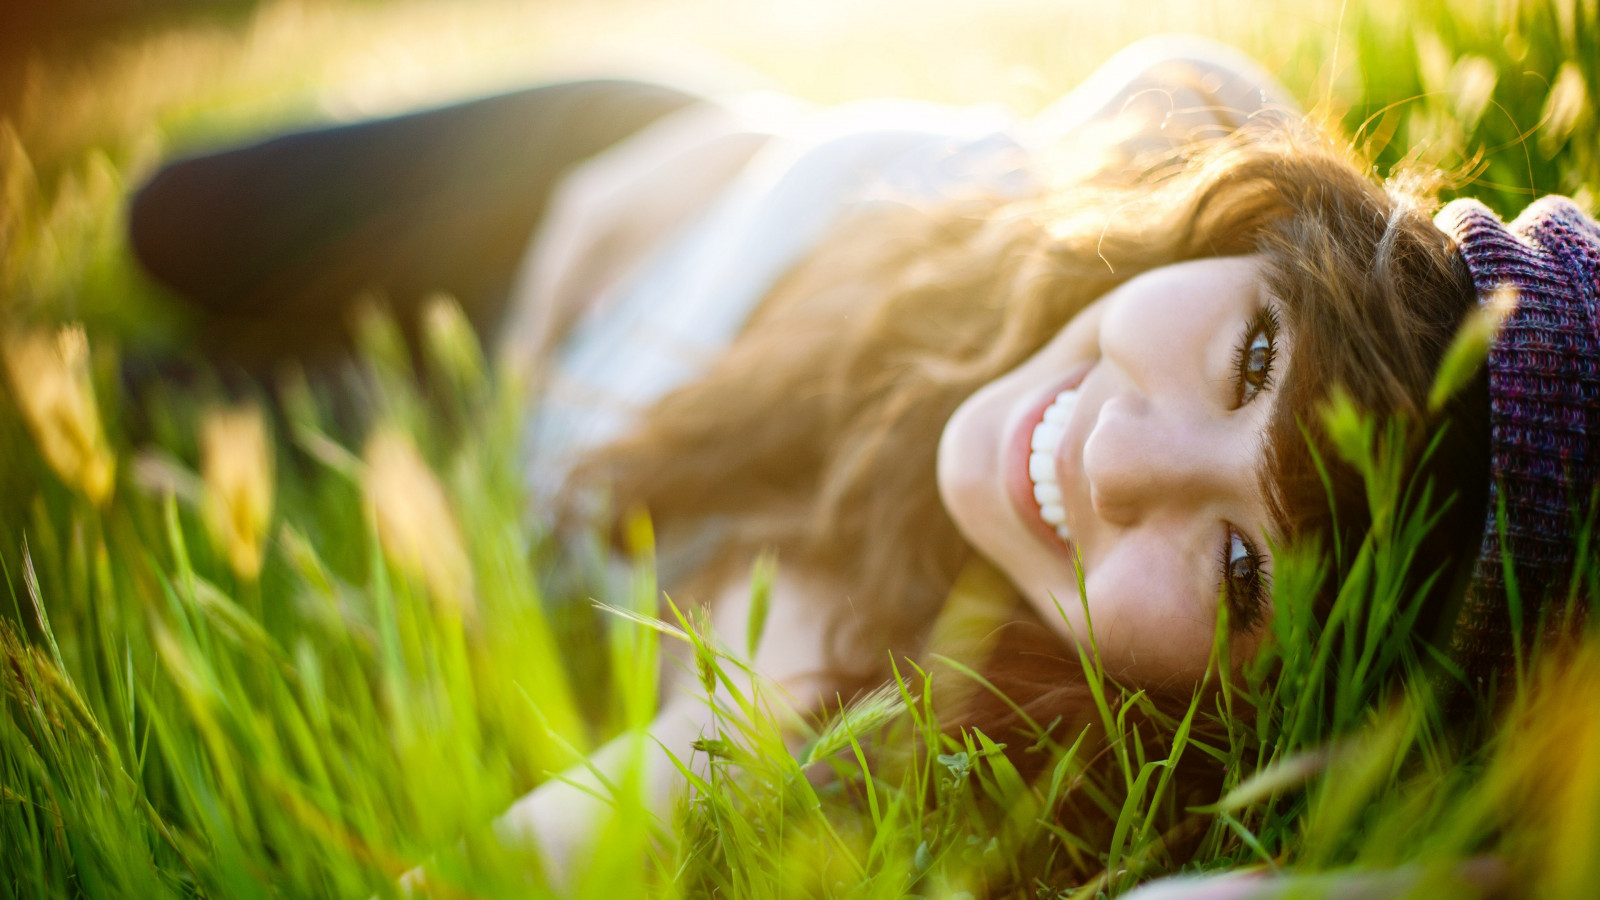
(1134, 439)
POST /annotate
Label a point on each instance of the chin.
(968, 472)
(972, 487)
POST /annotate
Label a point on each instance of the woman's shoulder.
(839, 149)
(908, 151)
(721, 196)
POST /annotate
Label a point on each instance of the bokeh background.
(318, 715)
(94, 92)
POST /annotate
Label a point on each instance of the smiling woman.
(1139, 360)
(889, 341)
(1144, 466)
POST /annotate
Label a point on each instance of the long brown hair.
(816, 432)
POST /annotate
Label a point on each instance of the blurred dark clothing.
(274, 241)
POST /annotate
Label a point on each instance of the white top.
(664, 322)
(747, 215)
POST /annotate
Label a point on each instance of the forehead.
(1212, 277)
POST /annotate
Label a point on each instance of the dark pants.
(273, 241)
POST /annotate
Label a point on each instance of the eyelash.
(1247, 591)
(1247, 594)
(1264, 324)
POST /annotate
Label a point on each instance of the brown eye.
(1244, 585)
(1254, 356)
(1258, 362)
(1241, 561)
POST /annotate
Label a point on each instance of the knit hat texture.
(1544, 416)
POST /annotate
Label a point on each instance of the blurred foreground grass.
(247, 658)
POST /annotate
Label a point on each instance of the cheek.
(971, 442)
(1151, 621)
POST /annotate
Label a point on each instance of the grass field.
(250, 659)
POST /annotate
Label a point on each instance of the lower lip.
(1020, 447)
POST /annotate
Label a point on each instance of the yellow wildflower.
(415, 526)
(236, 466)
(51, 383)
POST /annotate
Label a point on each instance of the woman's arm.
(562, 817)
(609, 213)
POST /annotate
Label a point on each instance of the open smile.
(1032, 475)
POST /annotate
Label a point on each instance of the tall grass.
(406, 655)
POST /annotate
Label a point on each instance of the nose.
(1142, 455)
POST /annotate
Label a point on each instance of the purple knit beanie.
(1544, 416)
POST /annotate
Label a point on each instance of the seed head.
(50, 379)
(415, 525)
(236, 466)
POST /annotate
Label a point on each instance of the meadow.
(261, 648)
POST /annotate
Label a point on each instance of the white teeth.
(1041, 468)
(1047, 437)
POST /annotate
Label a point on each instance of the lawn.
(296, 654)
